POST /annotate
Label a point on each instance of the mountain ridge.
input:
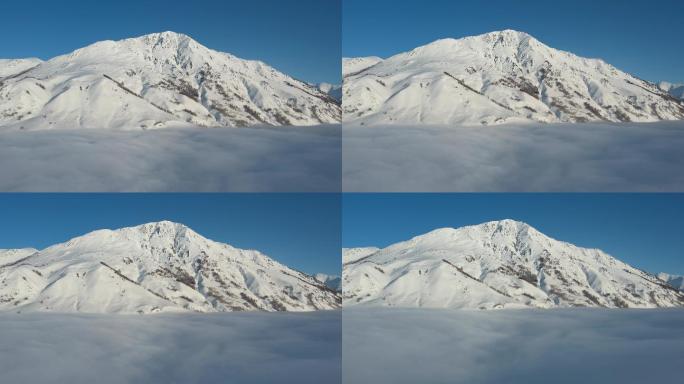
(155, 267)
(499, 264)
(333, 282)
(495, 78)
(675, 281)
(676, 90)
(157, 80)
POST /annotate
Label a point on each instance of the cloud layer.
(300, 159)
(234, 347)
(513, 346)
(515, 158)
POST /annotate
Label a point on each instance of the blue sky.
(642, 38)
(299, 230)
(299, 37)
(644, 230)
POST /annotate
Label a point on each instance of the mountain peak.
(511, 228)
(165, 38)
(508, 33)
(500, 77)
(509, 37)
(163, 224)
(160, 233)
(151, 227)
(503, 225)
(506, 36)
(166, 35)
(158, 80)
(499, 264)
(162, 228)
(507, 223)
(154, 267)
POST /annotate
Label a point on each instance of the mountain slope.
(13, 67)
(498, 77)
(501, 264)
(673, 280)
(156, 267)
(158, 80)
(11, 256)
(332, 282)
(354, 65)
(353, 254)
(332, 90)
(676, 90)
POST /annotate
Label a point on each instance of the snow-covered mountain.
(354, 65)
(155, 267)
(676, 90)
(352, 254)
(12, 67)
(499, 264)
(494, 78)
(159, 80)
(333, 90)
(330, 281)
(673, 280)
(10, 256)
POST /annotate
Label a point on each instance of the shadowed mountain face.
(330, 281)
(676, 90)
(498, 77)
(154, 81)
(500, 264)
(155, 267)
(673, 280)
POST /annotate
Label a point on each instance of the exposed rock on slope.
(354, 65)
(14, 67)
(332, 282)
(155, 267)
(353, 254)
(676, 90)
(332, 90)
(500, 264)
(158, 80)
(498, 77)
(11, 256)
(673, 280)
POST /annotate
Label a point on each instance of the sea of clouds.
(283, 159)
(515, 158)
(396, 346)
(197, 348)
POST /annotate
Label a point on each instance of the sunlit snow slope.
(498, 77)
(13, 67)
(154, 81)
(10, 256)
(352, 254)
(500, 264)
(155, 267)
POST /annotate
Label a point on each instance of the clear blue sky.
(641, 37)
(299, 230)
(299, 37)
(644, 230)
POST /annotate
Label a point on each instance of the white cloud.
(218, 348)
(515, 158)
(512, 346)
(283, 159)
